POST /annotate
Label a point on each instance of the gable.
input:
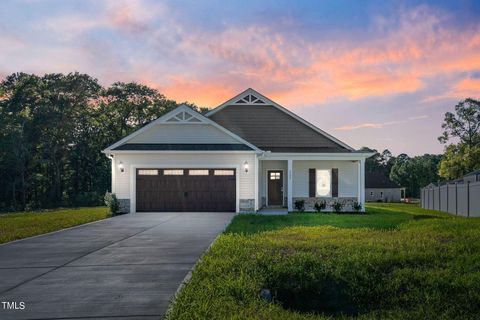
(271, 127)
(183, 133)
(182, 129)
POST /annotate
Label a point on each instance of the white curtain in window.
(324, 183)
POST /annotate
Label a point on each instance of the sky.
(380, 74)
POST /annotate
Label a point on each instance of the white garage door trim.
(133, 178)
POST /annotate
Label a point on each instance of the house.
(379, 188)
(473, 176)
(246, 154)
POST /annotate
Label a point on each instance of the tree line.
(409, 172)
(461, 137)
(53, 128)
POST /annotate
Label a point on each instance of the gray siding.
(389, 194)
(272, 129)
(183, 133)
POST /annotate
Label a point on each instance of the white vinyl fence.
(461, 199)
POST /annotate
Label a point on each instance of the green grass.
(15, 226)
(396, 262)
(379, 216)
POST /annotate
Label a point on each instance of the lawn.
(15, 226)
(397, 261)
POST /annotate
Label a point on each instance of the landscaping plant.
(300, 205)
(112, 203)
(357, 206)
(337, 206)
(319, 206)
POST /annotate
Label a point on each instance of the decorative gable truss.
(249, 99)
(184, 117)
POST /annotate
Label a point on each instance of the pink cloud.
(379, 125)
(207, 67)
(301, 73)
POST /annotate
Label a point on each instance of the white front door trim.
(266, 185)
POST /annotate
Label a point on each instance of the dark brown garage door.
(186, 190)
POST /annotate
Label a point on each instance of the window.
(371, 193)
(147, 172)
(198, 172)
(224, 172)
(324, 183)
(175, 172)
(274, 175)
(381, 194)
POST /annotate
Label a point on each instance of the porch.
(285, 179)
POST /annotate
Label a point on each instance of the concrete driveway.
(126, 267)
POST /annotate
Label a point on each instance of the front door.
(275, 187)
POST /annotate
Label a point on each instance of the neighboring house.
(473, 176)
(379, 187)
(246, 154)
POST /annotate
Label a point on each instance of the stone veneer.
(124, 205)
(264, 202)
(247, 205)
(310, 202)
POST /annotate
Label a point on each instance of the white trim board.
(268, 101)
(133, 179)
(177, 151)
(163, 120)
(315, 156)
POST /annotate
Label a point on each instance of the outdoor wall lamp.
(121, 167)
(245, 166)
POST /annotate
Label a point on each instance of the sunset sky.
(375, 73)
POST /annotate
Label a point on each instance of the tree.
(127, 106)
(459, 160)
(53, 129)
(414, 173)
(379, 162)
(464, 125)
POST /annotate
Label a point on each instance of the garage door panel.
(185, 192)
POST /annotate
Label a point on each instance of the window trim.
(173, 172)
(329, 195)
(148, 172)
(198, 172)
(224, 172)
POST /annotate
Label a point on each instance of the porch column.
(362, 183)
(359, 183)
(256, 183)
(290, 185)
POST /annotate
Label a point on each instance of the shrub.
(300, 205)
(337, 206)
(112, 202)
(319, 206)
(357, 206)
